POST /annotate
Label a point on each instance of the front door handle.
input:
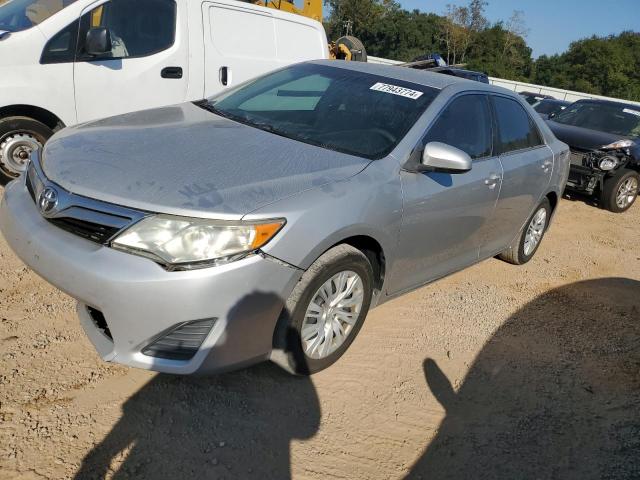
(492, 181)
(547, 165)
(171, 72)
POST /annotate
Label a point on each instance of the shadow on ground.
(554, 394)
(236, 425)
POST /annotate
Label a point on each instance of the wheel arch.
(42, 115)
(374, 252)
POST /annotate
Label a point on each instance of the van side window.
(465, 124)
(517, 130)
(138, 28)
(62, 46)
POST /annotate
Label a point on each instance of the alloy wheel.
(535, 231)
(331, 315)
(627, 192)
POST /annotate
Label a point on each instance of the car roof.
(421, 77)
(555, 100)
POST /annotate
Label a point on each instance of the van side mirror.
(98, 41)
(440, 157)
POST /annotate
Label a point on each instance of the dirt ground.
(496, 372)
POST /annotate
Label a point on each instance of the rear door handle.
(492, 181)
(225, 76)
(171, 72)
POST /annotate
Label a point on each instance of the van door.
(245, 41)
(147, 65)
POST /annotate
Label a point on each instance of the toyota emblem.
(48, 200)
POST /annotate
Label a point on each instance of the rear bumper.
(139, 299)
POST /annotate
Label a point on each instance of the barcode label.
(395, 90)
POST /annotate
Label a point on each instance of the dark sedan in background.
(549, 107)
(604, 138)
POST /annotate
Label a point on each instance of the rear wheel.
(525, 246)
(19, 136)
(325, 311)
(620, 191)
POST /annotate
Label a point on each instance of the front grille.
(93, 220)
(97, 317)
(91, 231)
(181, 342)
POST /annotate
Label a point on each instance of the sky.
(554, 24)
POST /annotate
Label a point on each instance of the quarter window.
(62, 47)
(138, 28)
(465, 124)
(516, 130)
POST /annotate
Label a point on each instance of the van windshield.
(335, 108)
(18, 15)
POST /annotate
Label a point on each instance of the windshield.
(610, 118)
(18, 15)
(334, 108)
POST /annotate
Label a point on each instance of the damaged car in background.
(604, 137)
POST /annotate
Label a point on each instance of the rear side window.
(516, 130)
(138, 28)
(465, 124)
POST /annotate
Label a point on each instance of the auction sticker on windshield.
(632, 112)
(395, 90)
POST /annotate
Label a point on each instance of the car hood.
(184, 160)
(582, 138)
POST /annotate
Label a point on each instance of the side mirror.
(441, 157)
(98, 41)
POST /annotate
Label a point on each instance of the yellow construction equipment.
(346, 47)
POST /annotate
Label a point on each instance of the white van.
(64, 62)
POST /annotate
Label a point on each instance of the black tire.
(515, 253)
(355, 46)
(288, 351)
(10, 126)
(612, 186)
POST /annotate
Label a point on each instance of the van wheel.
(19, 136)
(620, 191)
(526, 244)
(325, 311)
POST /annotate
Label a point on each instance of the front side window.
(465, 124)
(18, 15)
(516, 130)
(338, 109)
(138, 28)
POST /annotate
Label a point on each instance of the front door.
(445, 216)
(527, 164)
(147, 66)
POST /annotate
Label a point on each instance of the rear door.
(147, 66)
(243, 41)
(445, 216)
(527, 164)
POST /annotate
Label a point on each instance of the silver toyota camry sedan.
(266, 222)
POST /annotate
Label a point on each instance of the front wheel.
(620, 191)
(526, 244)
(19, 136)
(325, 311)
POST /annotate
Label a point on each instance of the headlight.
(608, 163)
(619, 144)
(182, 243)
